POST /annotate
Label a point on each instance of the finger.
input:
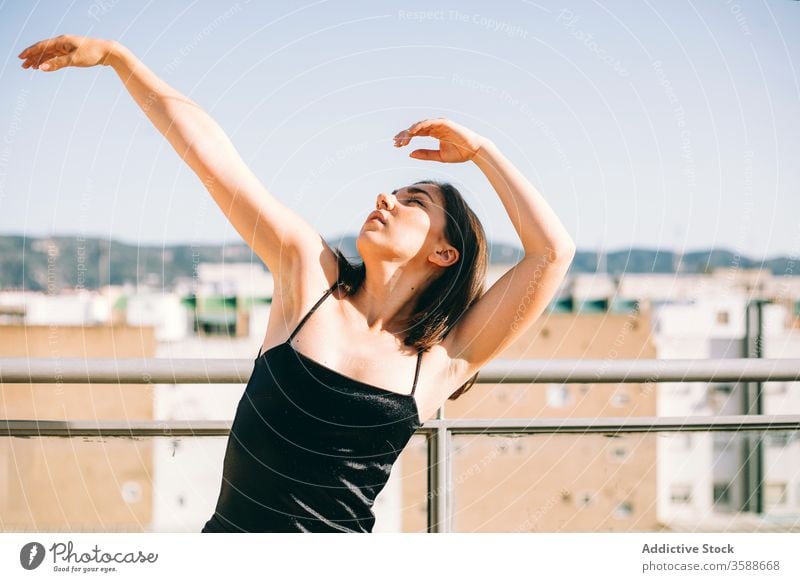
(32, 63)
(38, 48)
(27, 51)
(55, 63)
(428, 123)
(38, 45)
(432, 155)
(47, 49)
(36, 58)
(421, 125)
(424, 131)
(428, 131)
(404, 137)
(415, 127)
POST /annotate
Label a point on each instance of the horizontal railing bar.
(237, 371)
(627, 424)
(172, 428)
(114, 428)
(649, 370)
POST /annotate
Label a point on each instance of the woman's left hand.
(456, 142)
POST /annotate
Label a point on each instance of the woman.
(334, 398)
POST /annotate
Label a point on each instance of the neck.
(388, 295)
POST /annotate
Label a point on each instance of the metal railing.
(438, 432)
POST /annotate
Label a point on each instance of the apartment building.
(76, 484)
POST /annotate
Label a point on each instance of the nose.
(386, 201)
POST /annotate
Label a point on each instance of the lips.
(378, 215)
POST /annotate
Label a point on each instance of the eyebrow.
(415, 190)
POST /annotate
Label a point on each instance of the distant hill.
(55, 263)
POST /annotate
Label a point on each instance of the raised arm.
(277, 235)
(521, 295)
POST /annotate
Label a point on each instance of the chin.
(372, 246)
(363, 243)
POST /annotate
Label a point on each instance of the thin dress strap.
(416, 374)
(312, 310)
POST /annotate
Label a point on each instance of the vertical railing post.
(440, 483)
(752, 453)
(440, 494)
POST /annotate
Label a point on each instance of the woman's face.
(411, 223)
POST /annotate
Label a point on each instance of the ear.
(444, 256)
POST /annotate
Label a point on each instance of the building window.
(623, 510)
(723, 389)
(558, 396)
(680, 494)
(775, 494)
(722, 493)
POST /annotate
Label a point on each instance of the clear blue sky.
(661, 124)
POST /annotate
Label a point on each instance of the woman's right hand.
(67, 50)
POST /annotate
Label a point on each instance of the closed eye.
(417, 200)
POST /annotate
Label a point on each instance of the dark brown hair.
(442, 303)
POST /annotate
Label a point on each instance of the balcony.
(759, 445)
